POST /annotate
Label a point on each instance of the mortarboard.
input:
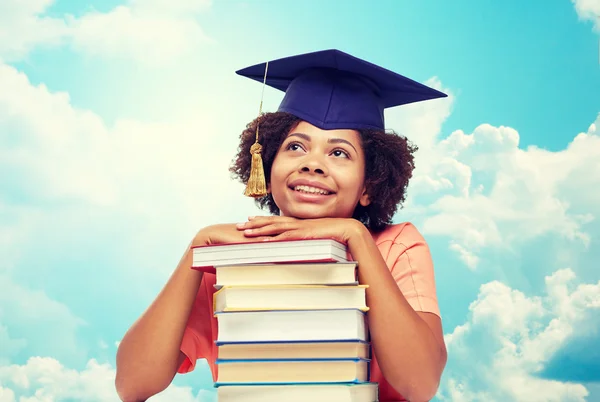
(331, 89)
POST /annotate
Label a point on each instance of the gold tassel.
(257, 186)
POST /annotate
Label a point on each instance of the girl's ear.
(364, 198)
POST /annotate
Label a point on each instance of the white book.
(309, 371)
(294, 350)
(290, 297)
(367, 392)
(326, 273)
(205, 258)
(288, 326)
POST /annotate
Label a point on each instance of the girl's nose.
(313, 165)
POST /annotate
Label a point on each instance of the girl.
(330, 170)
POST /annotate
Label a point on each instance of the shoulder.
(404, 233)
(397, 240)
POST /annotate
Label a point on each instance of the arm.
(409, 345)
(149, 354)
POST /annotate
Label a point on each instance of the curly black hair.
(389, 163)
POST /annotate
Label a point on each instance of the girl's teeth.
(311, 190)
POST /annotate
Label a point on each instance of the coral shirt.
(408, 258)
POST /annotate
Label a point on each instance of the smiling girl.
(331, 171)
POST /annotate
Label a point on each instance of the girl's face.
(319, 173)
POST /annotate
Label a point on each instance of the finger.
(260, 239)
(270, 230)
(288, 235)
(259, 221)
(256, 222)
(251, 224)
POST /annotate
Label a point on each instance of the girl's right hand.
(223, 234)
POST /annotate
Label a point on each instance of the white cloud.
(59, 154)
(44, 379)
(6, 395)
(75, 182)
(467, 257)
(421, 121)
(23, 312)
(482, 190)
(155, 31)
(23, 26)
(509, 337)
(57, 145)
(588, 10)
(177, 7)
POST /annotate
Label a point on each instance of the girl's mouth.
(310, 190)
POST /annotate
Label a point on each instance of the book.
(292, 322)
(290, 297)
(273, 371)
(327, 273)
(205, 258)
(367, 392)
(300, 325)
(294, 350)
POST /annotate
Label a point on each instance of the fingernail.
(248, 231)
(240, 225)
(251, 217)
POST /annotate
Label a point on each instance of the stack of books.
(291, 322)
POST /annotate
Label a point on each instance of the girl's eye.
(294, 146)
(340, 153)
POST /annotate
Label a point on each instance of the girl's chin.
(308, 213)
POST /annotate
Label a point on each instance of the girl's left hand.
(286, 228)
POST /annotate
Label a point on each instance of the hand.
(222, 234)
(269, 228)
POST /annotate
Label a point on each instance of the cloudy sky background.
(118, 121)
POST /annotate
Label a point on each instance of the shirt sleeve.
(197, 339)
(409, 259)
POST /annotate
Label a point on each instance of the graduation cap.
(331, 89)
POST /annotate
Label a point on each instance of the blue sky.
(111, 112)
